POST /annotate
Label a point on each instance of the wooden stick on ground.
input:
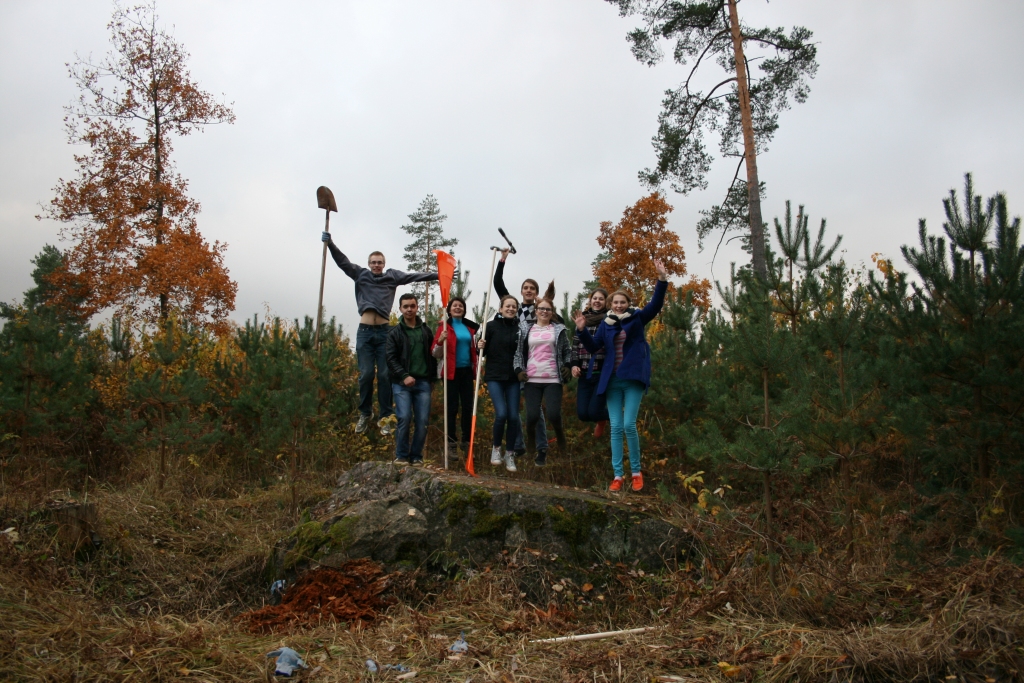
(597, 636)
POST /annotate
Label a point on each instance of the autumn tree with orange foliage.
(630, 246)
(137, 248)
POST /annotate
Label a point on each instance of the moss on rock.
(458, 499)
(309, 537)
(487, 523)
(529, 520)
(340, 533)
(576, 528)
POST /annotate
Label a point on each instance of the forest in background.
(824, 380)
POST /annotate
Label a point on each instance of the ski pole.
(479, 365)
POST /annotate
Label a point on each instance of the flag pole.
(479, 364)
(444, 277)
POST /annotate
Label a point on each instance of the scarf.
(612, 318)
(594, 318)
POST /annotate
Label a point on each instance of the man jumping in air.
(375, 295)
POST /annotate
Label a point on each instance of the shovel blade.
(325, 199)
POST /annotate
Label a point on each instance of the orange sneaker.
(616, 484)
(599, 430)
(638, 482)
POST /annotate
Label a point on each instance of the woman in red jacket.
(457, 333)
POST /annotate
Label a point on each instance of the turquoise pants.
(623, 397)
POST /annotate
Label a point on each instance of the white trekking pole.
(444, 380)
(479, 364)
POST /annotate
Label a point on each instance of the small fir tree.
(426, 227)
(961, 329)
(164, 394)
(47, 363)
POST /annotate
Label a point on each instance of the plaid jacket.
(581, 358)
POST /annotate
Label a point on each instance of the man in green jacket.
(412, 369)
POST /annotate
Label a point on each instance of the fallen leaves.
(730, 670)
(788, 655)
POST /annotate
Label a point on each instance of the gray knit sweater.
(375, 292)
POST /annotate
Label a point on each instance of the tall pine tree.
(760, 72)
(426, 227)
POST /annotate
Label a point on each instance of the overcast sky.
(532, 116)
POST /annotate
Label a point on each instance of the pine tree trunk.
(846, 476)
(163, 452)
(757, 255)
(764, 384)
(984, 469)
(769, 522)
(845, 466)
(28, 405)
(295, 470)
(158, 176)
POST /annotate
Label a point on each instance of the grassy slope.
(157, 602)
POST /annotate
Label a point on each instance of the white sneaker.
(496, 456)
(361, 425)
(510, 462)
(388, 424)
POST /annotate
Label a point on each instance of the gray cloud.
(530, 116)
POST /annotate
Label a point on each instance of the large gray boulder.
(406, 516)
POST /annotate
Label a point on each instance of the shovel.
(325, 201)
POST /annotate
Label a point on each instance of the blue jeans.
(505, 397)
(623, 398)
(370, 343)
(590, 405)
(412, 404)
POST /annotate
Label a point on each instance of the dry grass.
(159, 601)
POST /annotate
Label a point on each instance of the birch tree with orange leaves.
(137, 248)
(629, 247)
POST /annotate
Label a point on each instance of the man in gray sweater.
(375, 295)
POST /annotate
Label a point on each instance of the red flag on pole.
(445, 273)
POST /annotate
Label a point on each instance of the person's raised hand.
(325, 237)
(576, 371)
(409, 381)
(580, 320)
(504, 254)
(659, 265)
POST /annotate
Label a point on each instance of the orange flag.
(445, 273)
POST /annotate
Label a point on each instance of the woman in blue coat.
(626, 373)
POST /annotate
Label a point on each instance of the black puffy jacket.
(396, 351)
(500, 352)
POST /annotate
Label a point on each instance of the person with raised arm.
(375, 295)
(457, 333)
(543, 359)
(626, 374)
(529, 291)
(499, 349)
(527, 313)
(586, 367)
